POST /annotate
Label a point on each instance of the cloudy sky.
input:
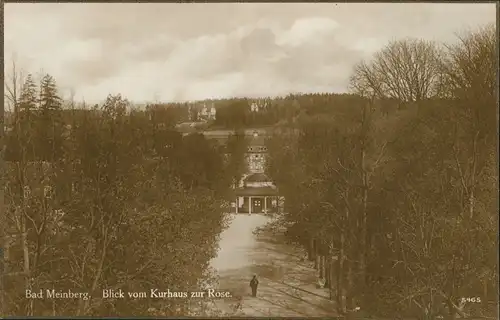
(176, 52)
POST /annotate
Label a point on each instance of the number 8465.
(471, 299)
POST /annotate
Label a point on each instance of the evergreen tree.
(49, 97)
(28, 99)
(21, 139)
(49, 125)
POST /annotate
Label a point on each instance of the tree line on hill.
(235, 113)
(395, 193)
(105, 198)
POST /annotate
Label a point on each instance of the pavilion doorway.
(257, 204)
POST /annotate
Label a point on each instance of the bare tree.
(13, 83)
(406, 70)
(469, 68)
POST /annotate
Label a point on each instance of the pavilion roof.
(256, 191)
(257, 177)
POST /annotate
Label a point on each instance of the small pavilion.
(257, 195)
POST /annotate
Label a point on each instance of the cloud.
(154, 48)
(195, 51)
(307, 30)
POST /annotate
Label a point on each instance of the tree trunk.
(471, 203)
(310, 251)
(315, 247)
(321, 267)
(26, 265)
(330, 268)
(365, 185)
(340, 277)
(327, 271)
(325, 266)
(485, 294)
(473, 176)
(85, 305)
(363, 249)
(350, 294)
(6, 253)
(332, 279)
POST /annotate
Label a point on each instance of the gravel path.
(287, 283)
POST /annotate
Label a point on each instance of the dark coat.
(254, 282)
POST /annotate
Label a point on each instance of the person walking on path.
(253, 284)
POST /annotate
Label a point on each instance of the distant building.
(256, 151)
(213, 113)
(258, 194)
(191, 113)
(258, 105)
(256, 154)
(203, 112)
(255, 137)
(256, 159)
(254, 107)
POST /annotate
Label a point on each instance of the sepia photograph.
(225, 160)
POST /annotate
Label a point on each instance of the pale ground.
(237, 242)
(287, 282)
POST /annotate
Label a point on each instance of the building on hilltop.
(202, 112)
(259, 105)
